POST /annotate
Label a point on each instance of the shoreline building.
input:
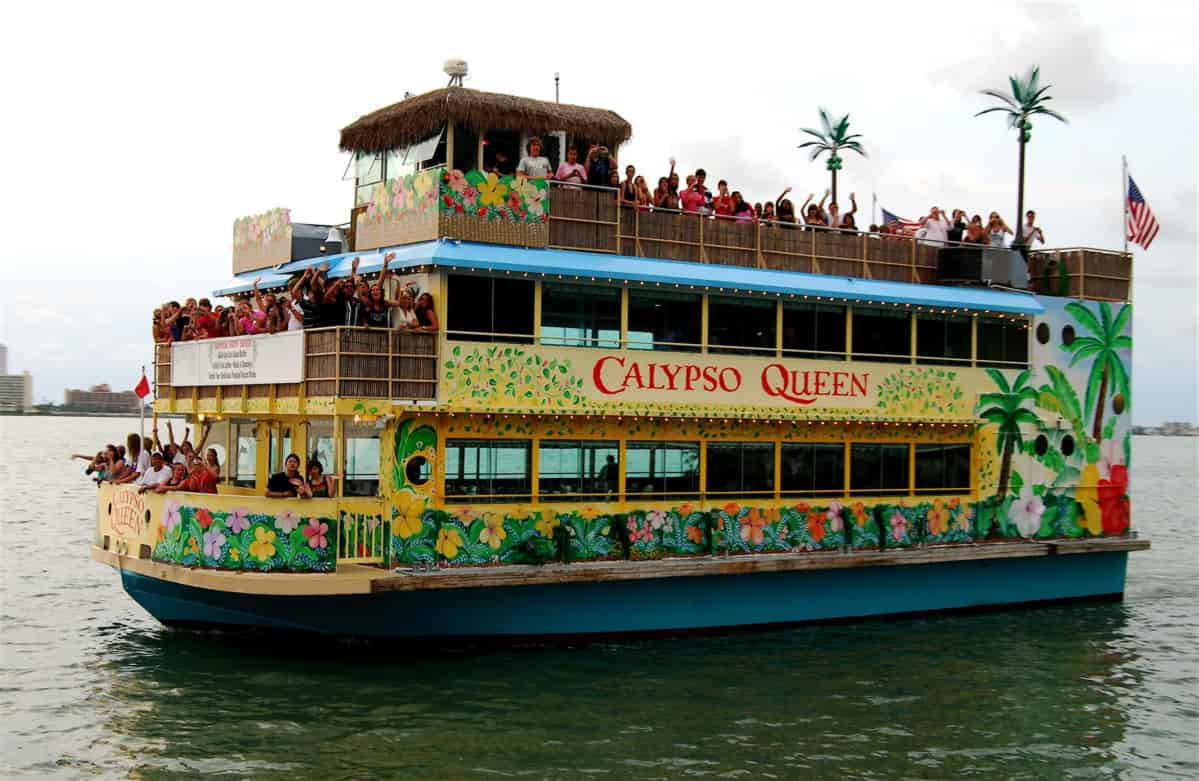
(101, 398)
(16, 390)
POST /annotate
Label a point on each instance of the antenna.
(556, 87)
(456, 69)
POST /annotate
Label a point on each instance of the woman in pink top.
(251, 322)
(693, 199)
(571, 172)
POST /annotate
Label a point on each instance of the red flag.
(143, 388)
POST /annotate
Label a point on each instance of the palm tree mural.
(833, 136)
(1026, 99)
(1104, 344)
(1008, 412)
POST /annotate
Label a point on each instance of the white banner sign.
(239, 360)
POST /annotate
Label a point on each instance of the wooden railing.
(340, 361)
(370, 363)
(591, 219)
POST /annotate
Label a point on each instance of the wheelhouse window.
(741, 325)
(580, 315)
(488, 470)
(942, 339)
(571, 470)
(1002, 342)
(320, 444)
(661, 470)
(362, 459)
(882, 335)
(942, 468)
(280, 446)
(814, 331)
(813, 469)
(245, 454)
(740, 468)
(880, 470)
(368, 172)
(487, 309)
(664, 321)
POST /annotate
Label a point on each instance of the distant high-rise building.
(16, 392)
(101, 398)
(3, 359)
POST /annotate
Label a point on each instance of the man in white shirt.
(158, 472)
(1029, 232)
(936, 227)
(533, 165)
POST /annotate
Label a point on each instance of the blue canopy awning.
(593, 265)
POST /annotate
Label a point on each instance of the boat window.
(245, 450)
(320, 444)
(661, 470)
(485, 309)
(735, 324)
(882, 335)
(580, 315)
(280, 446)
(879, 470)
(942, 338)
(942, 468)
(740, 468)
(664, 321)
(570, 470)
(487, 470)
(1002, 342)
(466, 148)
(368, 171)
(813, 469)
(362, 460)
(399, 164)
(501, 149)
(814, 331)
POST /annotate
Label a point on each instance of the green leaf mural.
(1103, 346)
(1007, 411)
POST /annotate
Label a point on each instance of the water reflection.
(1034, 691)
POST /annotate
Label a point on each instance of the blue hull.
(647, 606)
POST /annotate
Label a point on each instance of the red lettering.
(821, 385)
(807, 379)
(691, 375)
(710, 382)
(598, 371)
(733, 386)
(839, 384)
(859, 385)
(670, 375)
(634, 373)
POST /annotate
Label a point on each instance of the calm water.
(90, 686)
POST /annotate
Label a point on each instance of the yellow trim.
(848, 333)
(537, 313)
(912, 337)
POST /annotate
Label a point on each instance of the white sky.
(135, 134)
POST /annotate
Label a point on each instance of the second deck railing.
(346, 362)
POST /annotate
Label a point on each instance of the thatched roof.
(414, 119)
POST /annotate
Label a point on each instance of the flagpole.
(874, 209)
(141, 413)
(1124, 198)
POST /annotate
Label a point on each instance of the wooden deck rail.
(339, 361)
(590, 219)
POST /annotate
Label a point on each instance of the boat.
(631, 420)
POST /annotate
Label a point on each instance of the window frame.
(815, 309)
(741, 446)
(491, 443)
(599, 342)
(594, 446)
(635, 445)
(905, 490)
(769, 348)
(889, 313)
(653, 345)
(492, 335)
(943, 489)
(842, 490)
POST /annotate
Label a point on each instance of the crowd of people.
(692, 196)
(312, 301)
(154, 465)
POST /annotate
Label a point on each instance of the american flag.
(907, 226)
(1142, 225)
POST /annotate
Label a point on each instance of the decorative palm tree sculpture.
(1107, 368)
(1028, 97)
(834, 137)
(1008, 412)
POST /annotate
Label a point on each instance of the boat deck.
(362, 579)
